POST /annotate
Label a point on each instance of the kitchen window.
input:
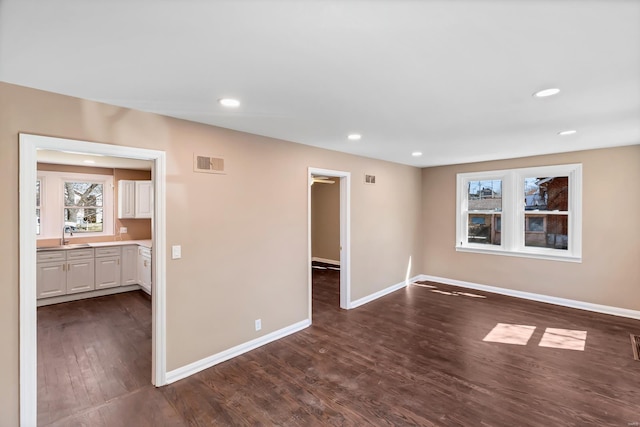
(79, 204)
(530, 212)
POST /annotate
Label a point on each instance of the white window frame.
(52, 203)
(512, 242)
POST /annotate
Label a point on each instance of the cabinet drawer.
(79, 254)
(51, 256)
(144, 251)
(107, 251)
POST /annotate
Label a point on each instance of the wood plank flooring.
(414, 357)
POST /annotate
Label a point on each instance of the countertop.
(143, 243)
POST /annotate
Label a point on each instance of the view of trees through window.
(83, 207)
(484, 201)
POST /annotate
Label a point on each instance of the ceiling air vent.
(369, 179)
(208, 164)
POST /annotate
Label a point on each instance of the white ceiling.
(450, 78)
(80, 159)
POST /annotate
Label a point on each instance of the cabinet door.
(51, 279)
(80, 276)
(126, 199)
(144, 269)
(144, 199)
(107, 272)
(129, 269)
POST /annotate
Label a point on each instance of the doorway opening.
(337, 234)
(29, 147)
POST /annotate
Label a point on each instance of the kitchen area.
(94, 226)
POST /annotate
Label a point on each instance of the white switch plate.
(123, 230)
(258, 324)
(176, 252)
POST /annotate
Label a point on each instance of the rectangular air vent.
(208, 164)
(369, 179)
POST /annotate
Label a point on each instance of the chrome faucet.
(63, 241)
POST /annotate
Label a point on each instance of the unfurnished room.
(319, 213)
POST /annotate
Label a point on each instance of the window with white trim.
(531, 212)
(81, 204)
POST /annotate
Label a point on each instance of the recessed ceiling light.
(567, 132)
(354, 137)
(546, 92)
(416, 154)
(90, 162)
(229, 102)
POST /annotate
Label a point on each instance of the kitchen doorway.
(29, 146)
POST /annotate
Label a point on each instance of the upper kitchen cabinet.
(135, 199)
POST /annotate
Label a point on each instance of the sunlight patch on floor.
(564, 338)
(510, 334)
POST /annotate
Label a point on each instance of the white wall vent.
(208, 164)
(369, 179)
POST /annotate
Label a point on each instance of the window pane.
(485, 228)
(83, 220)
(38, 194)
(38, 221)
(546, 231)
(547, 194)
(485, 195)
(82, 194)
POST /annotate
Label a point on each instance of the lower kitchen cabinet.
(108, 270)
(129, 265)
(144, 269)
(76, 271)
(80, 271)
(51, 279)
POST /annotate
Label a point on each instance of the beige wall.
(610, 270)
(325, 220)
(243, 234)
(137, 229)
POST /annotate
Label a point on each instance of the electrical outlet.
(123, 230)
(258, 324)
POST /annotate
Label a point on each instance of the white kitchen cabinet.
(135, 199)
(51, 274)
(80, 271)
(144, 269)
(144, 199)
(129, 269)
(126, 199)
(64, 272)
(108, 269)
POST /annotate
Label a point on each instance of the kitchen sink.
(64, 247)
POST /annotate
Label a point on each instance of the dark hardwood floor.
(414, 357)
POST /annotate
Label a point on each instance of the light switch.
(176, 252)
(123, 230)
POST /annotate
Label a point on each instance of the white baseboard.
(598, 308)
(325, 260)
(207, 362)
(84, 295)
(383, 292)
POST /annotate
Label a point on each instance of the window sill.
(534, 255)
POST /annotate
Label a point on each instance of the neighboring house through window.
(533, 212)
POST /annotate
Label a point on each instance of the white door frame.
(29, 144)
(345, 233)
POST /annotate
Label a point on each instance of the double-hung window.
(81, 204)
(532, 212)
